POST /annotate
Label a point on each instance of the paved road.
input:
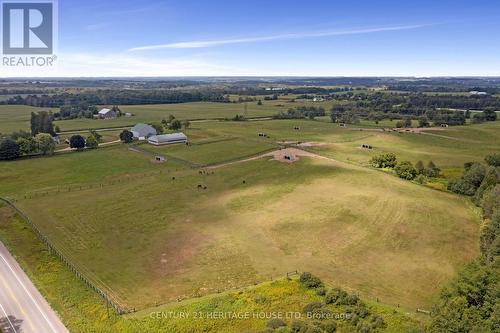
(22, 308)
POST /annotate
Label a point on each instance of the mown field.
(82, 310)
(149, 239)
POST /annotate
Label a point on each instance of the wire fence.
(54, 251)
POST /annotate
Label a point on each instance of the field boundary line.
(55, 251)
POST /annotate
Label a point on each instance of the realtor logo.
(28, 27)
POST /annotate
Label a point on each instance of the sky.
(99, 38)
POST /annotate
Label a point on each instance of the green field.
(17, 117)
(147, 234)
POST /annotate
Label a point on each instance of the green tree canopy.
(9, 149)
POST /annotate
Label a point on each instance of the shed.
(167, 139)
(143, 131)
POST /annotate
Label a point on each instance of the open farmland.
(17, 117)
(150, 239)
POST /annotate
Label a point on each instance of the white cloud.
(119, 65)
(210, 43)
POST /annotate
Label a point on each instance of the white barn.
(168, 139)
(143, 131)
(107, 114)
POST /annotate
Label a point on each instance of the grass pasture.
(82, 311)
(150, 239)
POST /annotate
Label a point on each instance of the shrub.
(334, 295)
(384, 161)
(299, 326)
(91, 142)
(310, 281)
(461, 186)
(405, 170)
(275, 323)
(309, 308)
(321, 291)
(493, 159)
(478, 118)
(330, 326)
(361, 311)
(378, 322)
(421, 179)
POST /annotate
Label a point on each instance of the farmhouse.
(107, 114)
(167, 139)
(142, 131)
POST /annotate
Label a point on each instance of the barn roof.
(168, 137)
(104, 111)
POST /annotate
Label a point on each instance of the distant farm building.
(143, 131)
(479, 93)
(168, 139)
(107, 114)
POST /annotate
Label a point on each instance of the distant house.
(168, 139)
(480, 93)
(143, 131)
(107, 114)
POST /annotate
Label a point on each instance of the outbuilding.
(143, 131)
(107, 114)
(168, 139)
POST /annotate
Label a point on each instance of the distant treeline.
(413, 104)
(114, 97)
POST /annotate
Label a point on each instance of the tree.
(27, 146)
(259, 102)
(186, 124)
(42, 122)
(175, 125)
(159, 128)
(9, 149)
(423, 122)
(419, 166)
(432, 170)
(45, 143)
(91, 142)
(493, 159)
(77, 142)
(126, 136)
(405, 170)
(478, 118)
(96, 135)
(490, 114)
